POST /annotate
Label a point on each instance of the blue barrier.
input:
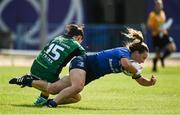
(97, 37)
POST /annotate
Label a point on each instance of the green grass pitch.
(112, 94)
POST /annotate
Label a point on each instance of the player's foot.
(51, 104)
(40, 101)
(162, 62)
(23, 81)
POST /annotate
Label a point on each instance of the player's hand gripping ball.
(137, 66)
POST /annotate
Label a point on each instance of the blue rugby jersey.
(108, 61)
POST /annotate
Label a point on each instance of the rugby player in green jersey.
(54, 56)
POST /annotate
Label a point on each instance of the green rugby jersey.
(56, 55)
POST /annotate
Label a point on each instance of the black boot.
(23, 81)
(51, 103)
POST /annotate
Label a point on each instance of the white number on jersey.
(52, 51)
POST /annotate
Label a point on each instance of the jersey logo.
(113, 69)
(81, 64)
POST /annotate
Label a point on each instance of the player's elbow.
(127, 66)
(125, 63)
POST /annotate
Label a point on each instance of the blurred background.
(30, 24)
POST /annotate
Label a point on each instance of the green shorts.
(42, 73)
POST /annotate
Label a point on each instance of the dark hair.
(74, 30)
(140, 47)
(137, 43)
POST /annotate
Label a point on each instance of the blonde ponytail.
(137, 42)
(135, 35)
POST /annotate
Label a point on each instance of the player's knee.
(172, 47)
(78, 88)
(77, 98)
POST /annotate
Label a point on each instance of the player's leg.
(56, 87)
(77, 78)
(156, 44)
(49, 88)
(36, 74)
(42, 99)
(170, 47)
(155, 60)
(45, 87)
(42, 86)
(74, 99)
(28, 80)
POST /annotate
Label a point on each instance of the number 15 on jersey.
(53, 51)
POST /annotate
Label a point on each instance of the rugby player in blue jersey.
(84, 69)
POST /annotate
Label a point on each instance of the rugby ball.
(136, 65)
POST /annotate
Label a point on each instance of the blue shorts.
(82, 62)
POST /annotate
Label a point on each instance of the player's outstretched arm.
(126, 64)
(146, 82)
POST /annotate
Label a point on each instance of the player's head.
(158, 5)
(75, 31)
(137, 47)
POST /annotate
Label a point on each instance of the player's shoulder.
(119, 51)
(123, 49)
(77, 45)
(65, 39)
(58, 39)
(114, 50)
(152, 14)
(123, 52)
